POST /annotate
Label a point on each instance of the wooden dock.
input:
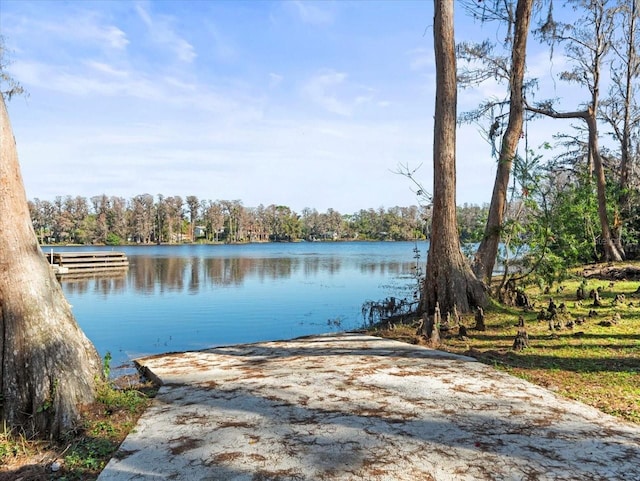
(64, 263)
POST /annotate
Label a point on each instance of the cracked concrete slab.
(356, 407)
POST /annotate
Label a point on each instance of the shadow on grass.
(527, 360)
(631, 337)
(558, 337)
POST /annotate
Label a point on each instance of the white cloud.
(85, 82)
(547, 71)
(179, 84)
(83, 27)
(471, 97)
(144, 15)
(421, 59)
(312, 14)
(164, 35)
(275, 80)
(540, 64)
(222, 46)
(363, 99)
(106, 69)
(99, 81)
(333, 92)
(115, 37)
(322, 89)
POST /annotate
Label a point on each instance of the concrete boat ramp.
(355, 407)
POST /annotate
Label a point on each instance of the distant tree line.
(145, 219)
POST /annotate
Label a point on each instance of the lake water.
(177, 298)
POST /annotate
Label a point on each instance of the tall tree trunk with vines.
(487, 253)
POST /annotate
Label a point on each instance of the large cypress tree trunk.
(487, 252)
(48, 368)
(449, 280)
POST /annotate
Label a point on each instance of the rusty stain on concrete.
(355, 407)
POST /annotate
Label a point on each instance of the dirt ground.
(31, 460)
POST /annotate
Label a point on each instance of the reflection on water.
(146, 274)
(176, 298)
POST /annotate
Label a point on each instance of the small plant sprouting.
(48, 402)
(106, 365)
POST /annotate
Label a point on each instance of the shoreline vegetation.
(145, 219)
(218, 243)
(585, 349)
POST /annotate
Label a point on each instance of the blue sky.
(300, 103)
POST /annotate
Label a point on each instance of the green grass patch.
(106, 424)
(596, 362)
(83, 453)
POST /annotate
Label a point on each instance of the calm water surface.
(176, 298)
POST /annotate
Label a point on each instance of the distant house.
(199, 232)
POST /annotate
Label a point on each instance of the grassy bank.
(595, 361)
(83, 453)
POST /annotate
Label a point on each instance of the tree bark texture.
(612, 247)
(48, 367)
(449, 280)
(485, 258)
(612, 251)
(625, 141)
